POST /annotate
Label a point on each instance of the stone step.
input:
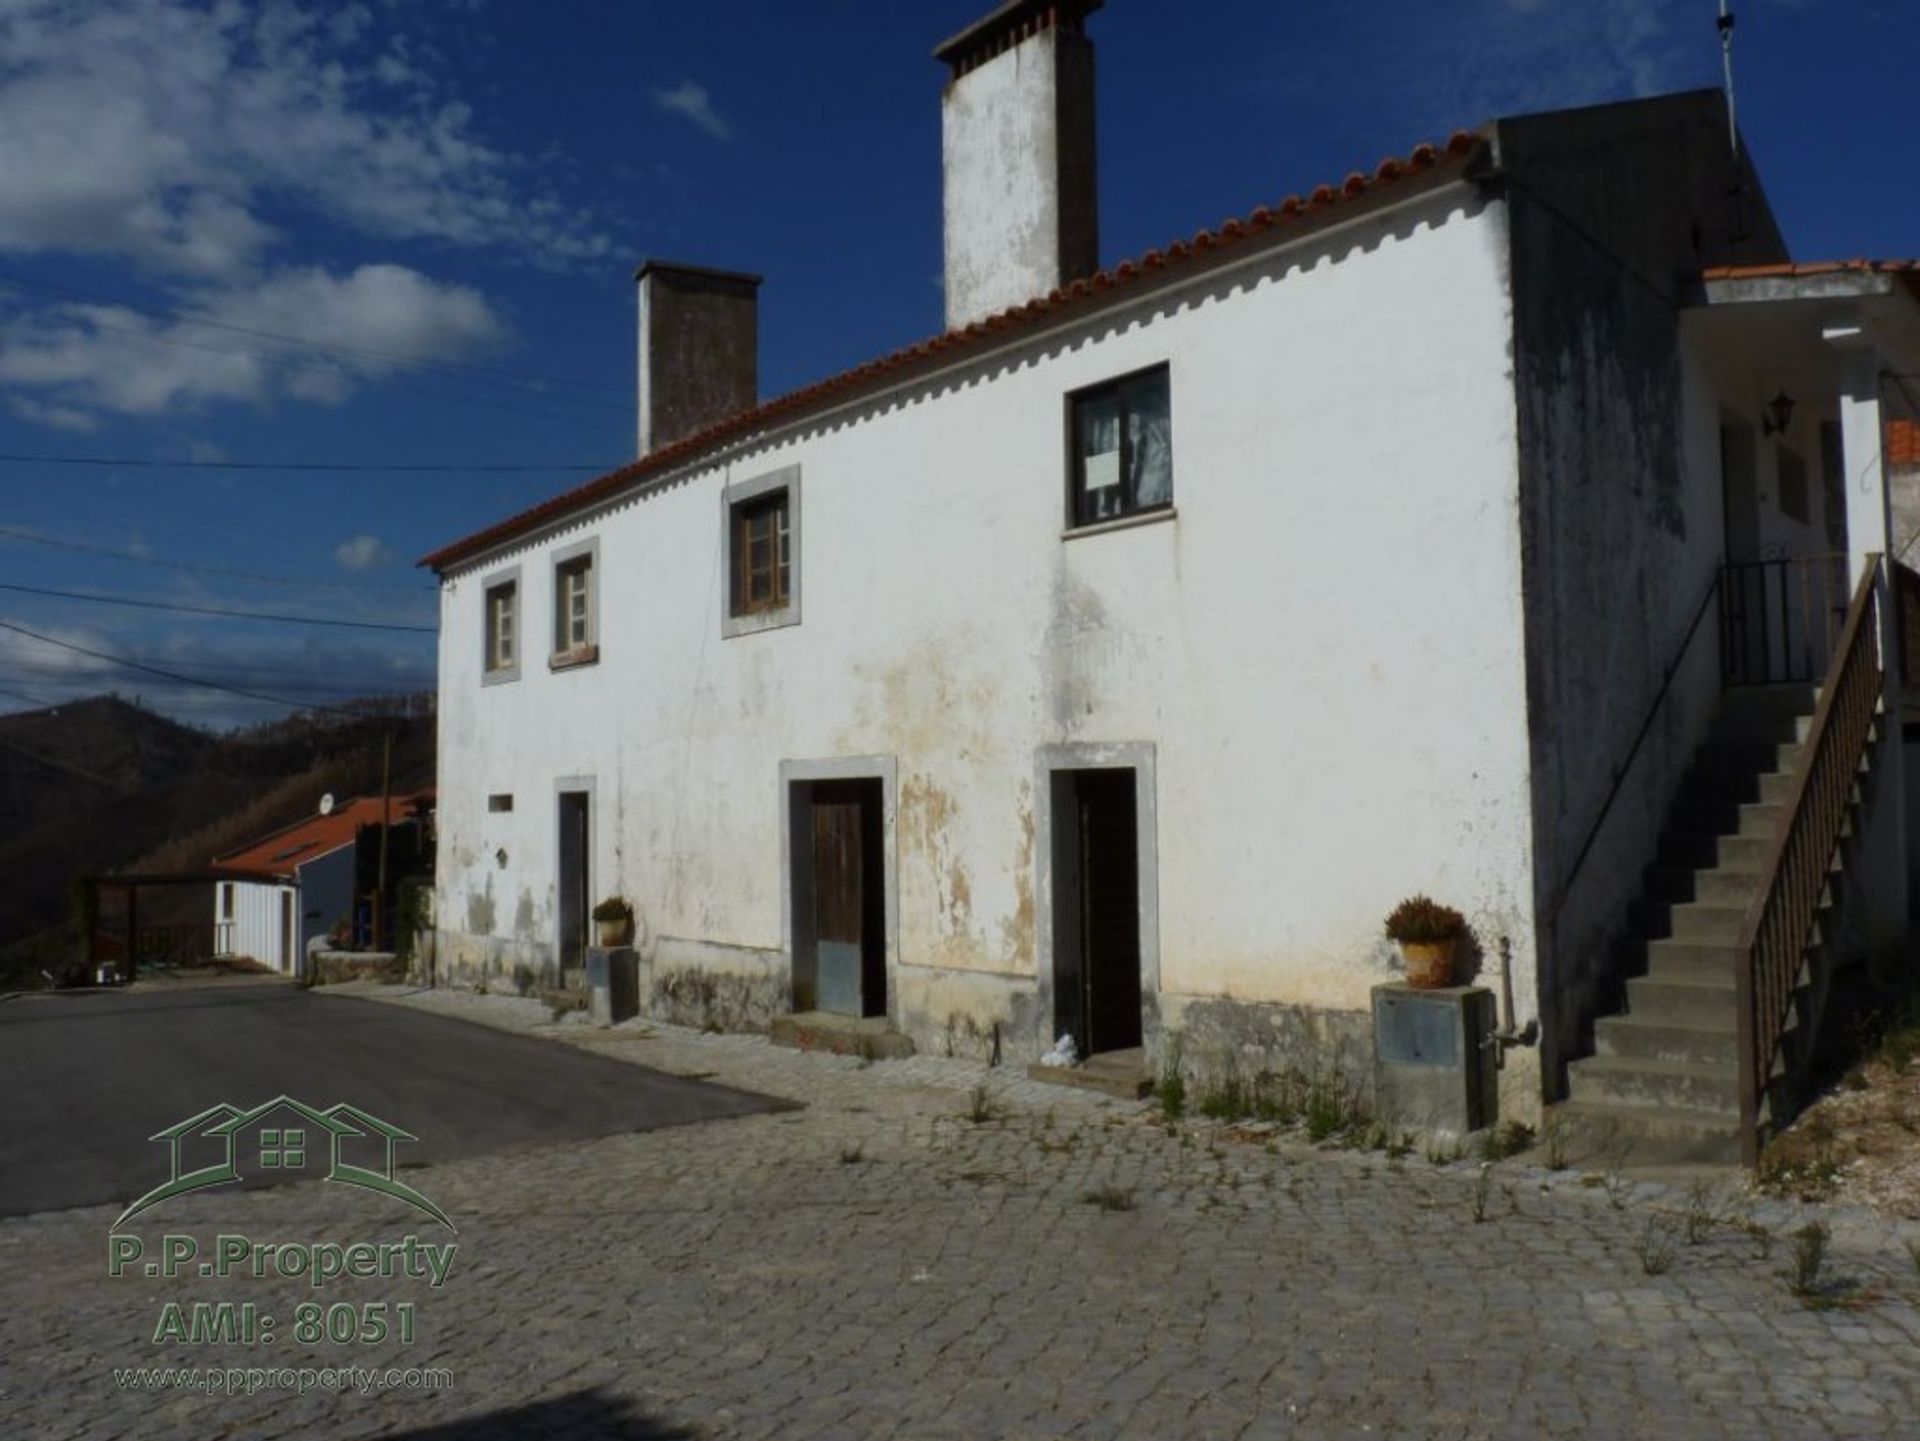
(1652, 1038)
(1689, 921)
(1734, 785)
(1636, 1136)
(1112, 1073)
(1694, 962)
(1693, 1001)
(1706, 850)
(1787, 698)
(1640, 1081)
(1750, 818)
(872, 1037)
(1744, 758)
(1716, 886)
(1758, 729)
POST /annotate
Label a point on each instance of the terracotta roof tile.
(295, 845)
(1422, 158)
(1795, 269)
(1903, 445)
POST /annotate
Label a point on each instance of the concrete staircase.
(1662, 1087)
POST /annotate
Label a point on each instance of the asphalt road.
(87, 1078)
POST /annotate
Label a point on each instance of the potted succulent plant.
(1427, 932)
(614, 917)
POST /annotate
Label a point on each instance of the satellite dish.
(326, 804)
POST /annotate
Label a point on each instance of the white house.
(1115, 660)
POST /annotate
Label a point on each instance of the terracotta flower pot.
(615, 933)
(1429, 963)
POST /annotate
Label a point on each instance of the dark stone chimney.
(699, 350)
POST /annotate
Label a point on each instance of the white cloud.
(156, 129)
(373, 321)
(690, 99)
(54, 417)
(363, 552)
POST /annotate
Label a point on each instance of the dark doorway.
(574, 900)
(290, 958)
(1096, 906)
(839, 898)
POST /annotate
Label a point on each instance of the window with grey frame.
(576, 624)
(502, 626)
(1122, 448)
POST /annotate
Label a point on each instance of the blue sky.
(403, 234)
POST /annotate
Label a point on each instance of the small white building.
(275, 896)
(1114, 661)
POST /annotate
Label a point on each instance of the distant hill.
(103, 785)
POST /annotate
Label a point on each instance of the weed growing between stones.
(1443, 1149)
(1809, 1259)
(1482, 1192)
(1656, 1246)
(1705, 1212)
(1619, 1188)
(1171, 1092)
(1558, 1133)
(1497, 1143)
(1109, 1198)
(981, 1107)
(853, 1155)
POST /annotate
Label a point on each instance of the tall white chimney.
(1016, 126)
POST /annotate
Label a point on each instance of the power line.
(329, 467)
(521, 379)
(216, 610)
(54, 672)
(32, 539)
(175, 676)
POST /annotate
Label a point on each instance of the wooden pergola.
(131, 885)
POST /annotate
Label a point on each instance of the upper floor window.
(576, 622)
(763, 552)
(762, 556)
(1122, 448)
(503, 626)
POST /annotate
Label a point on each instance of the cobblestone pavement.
(882, 1264)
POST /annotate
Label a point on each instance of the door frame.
(561, 786)
(1051, 762)
(796, 848)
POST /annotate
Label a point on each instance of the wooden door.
(839, 909)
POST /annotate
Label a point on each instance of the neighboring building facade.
(1115, 661)
(290, 888)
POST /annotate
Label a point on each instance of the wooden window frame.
(1077, 403)
(773, 558)
(778, 571)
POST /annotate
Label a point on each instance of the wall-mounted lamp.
(1777, 414)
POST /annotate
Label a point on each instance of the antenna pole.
(1725, 26)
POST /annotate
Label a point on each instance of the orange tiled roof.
(1903, 445)
(295, 845)
(1304, 214)
(1794, 269)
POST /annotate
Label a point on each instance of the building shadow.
(591, 1415)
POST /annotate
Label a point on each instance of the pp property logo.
(283, 1135)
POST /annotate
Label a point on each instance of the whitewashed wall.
(1324, 647)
